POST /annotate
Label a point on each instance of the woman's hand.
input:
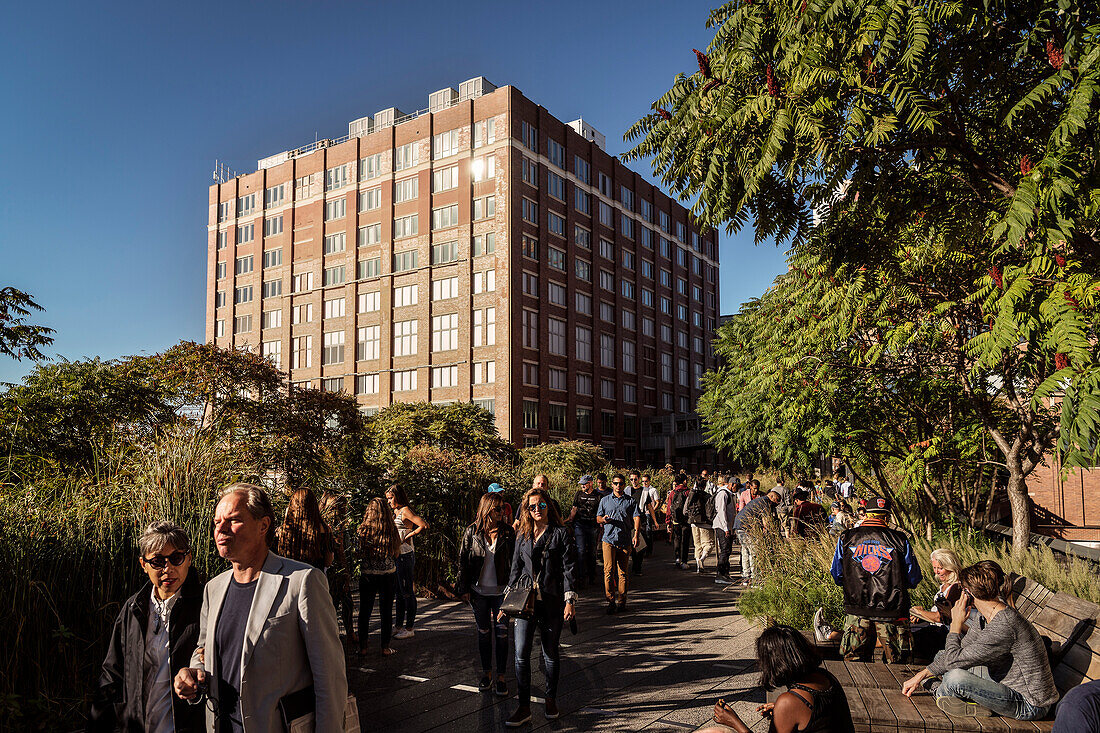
(766, 709)
(724, 714)
(570, 611)
(913, 682)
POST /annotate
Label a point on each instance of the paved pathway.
(658, 667)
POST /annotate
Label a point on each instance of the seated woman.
(814, 700)
(929, 639)
(1015, 681)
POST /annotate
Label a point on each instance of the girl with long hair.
(409, 524)
(379, 546)
(929, 638)
(545, 552)
(484, 563)
(303, 535)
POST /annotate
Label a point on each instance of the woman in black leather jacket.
(484, 563)
(545, 552)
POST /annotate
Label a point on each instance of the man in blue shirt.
(618, 514)
(757, 515)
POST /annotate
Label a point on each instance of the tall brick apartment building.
(481, 250)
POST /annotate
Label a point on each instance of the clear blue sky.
(115, 112)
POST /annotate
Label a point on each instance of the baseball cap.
(876, 505)
(585, 479)
(494, 488)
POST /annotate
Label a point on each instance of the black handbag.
(297, 709)
(519, 598)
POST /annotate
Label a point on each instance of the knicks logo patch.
(871, 555)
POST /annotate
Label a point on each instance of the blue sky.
(114, 114)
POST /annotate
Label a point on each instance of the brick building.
(480, 250)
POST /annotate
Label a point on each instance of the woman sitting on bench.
(930, 637)
(1000, 666)
(814, 700)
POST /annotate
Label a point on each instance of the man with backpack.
(754, 518)
(724, 514)
(700, 514)
(676, 520)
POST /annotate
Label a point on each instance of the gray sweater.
(1012, 650)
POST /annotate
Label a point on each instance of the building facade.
(480, 250)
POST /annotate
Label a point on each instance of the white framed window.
(582, 237)
(271, 288)
(485, 282)
(582, 169)
(445, 332)
(302, 313)
(219, 270)
(485, 132)
(302, 282)
(485, 207)
(583, 270)
(242, 324)
(530, 211)
(445, 288)
(301, 352)
(445, 216)
(445, 144)
(369, 302)
(555, 186)
(274, 196)
(370, 199)
(370, 167)
(223, 239)
(404, 338)
(405, 156)
(555, 223)
(483, 169)
(273, 352)
(368, 342)
(582, 202)
(273, 257)
(555, 293)
(607, 215)
(334, 308)
(406, 189)
(242, 295)
(403, 261)
(555, 151)
(406, 226)
(370, 267)
(484, 244)
(627, 288)
(446, 376)
(271, 319)
(370, 234)
(445, 253)
(485, 372)
(333, 351)
(273, 225)
(404, 295)
(246, 204)
(445, 179)
(243, 265)
(530, 136)
(555, 258)
(336, 209)
(485, 327)
(335, 243)
(366, 384)
(336, 177)
(334, 275)
(404, 381)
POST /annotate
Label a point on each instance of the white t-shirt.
(724, 504)
(487, 582)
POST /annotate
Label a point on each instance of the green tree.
(867, 132)
(19, 339)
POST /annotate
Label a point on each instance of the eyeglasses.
(617, 483)
(160, 561)
(536, 507)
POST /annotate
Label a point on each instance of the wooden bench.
(874, 689)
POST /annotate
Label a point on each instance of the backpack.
(710, 510)
(677, 501)
(696, 507)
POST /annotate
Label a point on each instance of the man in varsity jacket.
(875, 566)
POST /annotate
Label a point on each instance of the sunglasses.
(160, 561)
(536, 507)
(617, 483)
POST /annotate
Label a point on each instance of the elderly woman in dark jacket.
(546, 553)
(484, 563)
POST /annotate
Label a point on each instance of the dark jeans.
(636, 557)
(681, 541)
(724, 540)
(406, 593)
(485, 610)
(339, 587)
(585, 536)
(382, 586)
(548, 619)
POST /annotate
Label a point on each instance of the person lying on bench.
(814, 700)
(999, 666)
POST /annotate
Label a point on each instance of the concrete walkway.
(658, 667)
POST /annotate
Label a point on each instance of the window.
(273, 225)
(605, 184)
(490, 406)
(530, 327)
(607, 425)
(303, 281)
(369, 302)
(445, 144)
(666, 305)
(681, 286)
(645, 236)
(555, 418)
(607, 389)
(664, 247)
(336, 177)
(445, 288)
(555, 223)
(584, 420)
(646, 209)
(555, 329)
(368, 341)
(334, 308)
(666, 333)
(333, 351)
(555, 151)
(370, 199)
(302, 313)
(607, 312)
(626, 226)
(607, 249)
(680, 231)
(484, 244)
(584, 304)
(271, 288)
(332, 276)
(307, 186)
(370, 167)
(271, 319)
(301, 352)
(629, 358)
(628, 260)
(583, 270)
(582, 201)
(404, 338)
(607, 280)
(371, 267)
(697, 319)
(607, 350)
(405, 156)
(664, 221)
(581, 169)
(272, 351)
(666, 278)
(485, 372)
(445, 332)
(242, 295)
(335, 243)
(555, 186)
(558, 379)
(530, 283)
(404, 381)
(242, 324)
(445, 179)
(485, 207)
(530, 211)
(404, 295)
(223, 240)
(681, 312)
(370, 234)
(273, 257)
(629, 320)
(274, 196)
(406, 189)
(697, 344)
(530, 136)
(529, 171)
(681, 257)
(219, 270)
(485, 282)
(682, 339)
(607, 216)
(647, 269)
(484, 168)
(682, 370)
(406, 226)
(246, 204)
(403, 261)
(647, 326)
(696, 265)
(245, 233)
(485, 132)
(485, 327)
(366, 384)
(627, 197)
(223, 211)
(530, 374)
(444, 376)
(530, 247)
(555, 293)
(584, 384)
(445, 216)
(444, 253)
(582, 237)
(336, 209)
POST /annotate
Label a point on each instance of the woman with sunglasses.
(544, 552)
(484, 563)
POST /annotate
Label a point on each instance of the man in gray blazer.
(267, 630)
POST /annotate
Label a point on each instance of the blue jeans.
(1004, 701)
(548, 619)
(486, 609)
(406, 593)
(585, 536)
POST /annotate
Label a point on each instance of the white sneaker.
(404, 634)
(821, 629)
